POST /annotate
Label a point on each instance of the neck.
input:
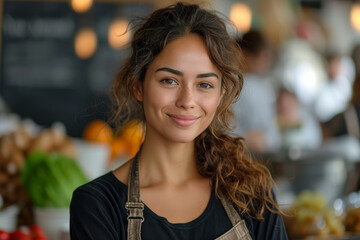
(170, 163)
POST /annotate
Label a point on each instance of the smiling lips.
(183, 120)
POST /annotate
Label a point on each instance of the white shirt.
(255, 110)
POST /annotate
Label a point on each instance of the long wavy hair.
(219, 156)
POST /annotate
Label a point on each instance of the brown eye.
(168, 81)
(205, 85)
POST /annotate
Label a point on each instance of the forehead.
(188, 39)
(187, 52)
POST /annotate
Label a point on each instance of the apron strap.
(230, 210)
(239, 229)
(133, 205)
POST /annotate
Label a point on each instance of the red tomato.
(40, 238)
(18, 234)
(37, 231)
(4, 235)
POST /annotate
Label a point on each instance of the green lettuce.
(50, 179)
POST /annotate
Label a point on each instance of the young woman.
(190, 179)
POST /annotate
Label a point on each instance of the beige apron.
(135, 210)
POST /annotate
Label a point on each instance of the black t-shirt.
(98, 211)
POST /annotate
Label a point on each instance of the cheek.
(210, 105)
(157, 99)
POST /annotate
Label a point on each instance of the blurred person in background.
(342, 132)
(299, 64)
(348, 122)
(190, 179)
(334, 96)
(255, 110)
(298, 127)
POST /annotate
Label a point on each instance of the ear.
(138, 92)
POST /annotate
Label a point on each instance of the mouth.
(183, 120)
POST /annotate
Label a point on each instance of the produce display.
(310, 214)
(34, 232)
(352, 220)
(12, 155)
(16, 145)
(51, 178)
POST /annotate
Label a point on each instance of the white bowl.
(92, 157)
(54, 221)
(8, 218)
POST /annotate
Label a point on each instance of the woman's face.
(181, 91)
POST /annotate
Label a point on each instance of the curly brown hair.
(220, 156)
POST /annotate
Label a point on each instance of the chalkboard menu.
(41, 76)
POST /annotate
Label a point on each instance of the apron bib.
(135, 210)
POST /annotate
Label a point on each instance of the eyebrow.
(176, 72)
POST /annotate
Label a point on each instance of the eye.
(205, 85)
(168, 81)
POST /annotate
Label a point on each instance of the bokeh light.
(81, 6)
(118, 34)
(85, 43)
(241, 15)
(355, 16)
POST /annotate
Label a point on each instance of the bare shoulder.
(122, 172)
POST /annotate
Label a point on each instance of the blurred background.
(299, 111)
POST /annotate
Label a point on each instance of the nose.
(185, 98)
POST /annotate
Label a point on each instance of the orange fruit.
(119, 147)
(98, 131)
(133, 135)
